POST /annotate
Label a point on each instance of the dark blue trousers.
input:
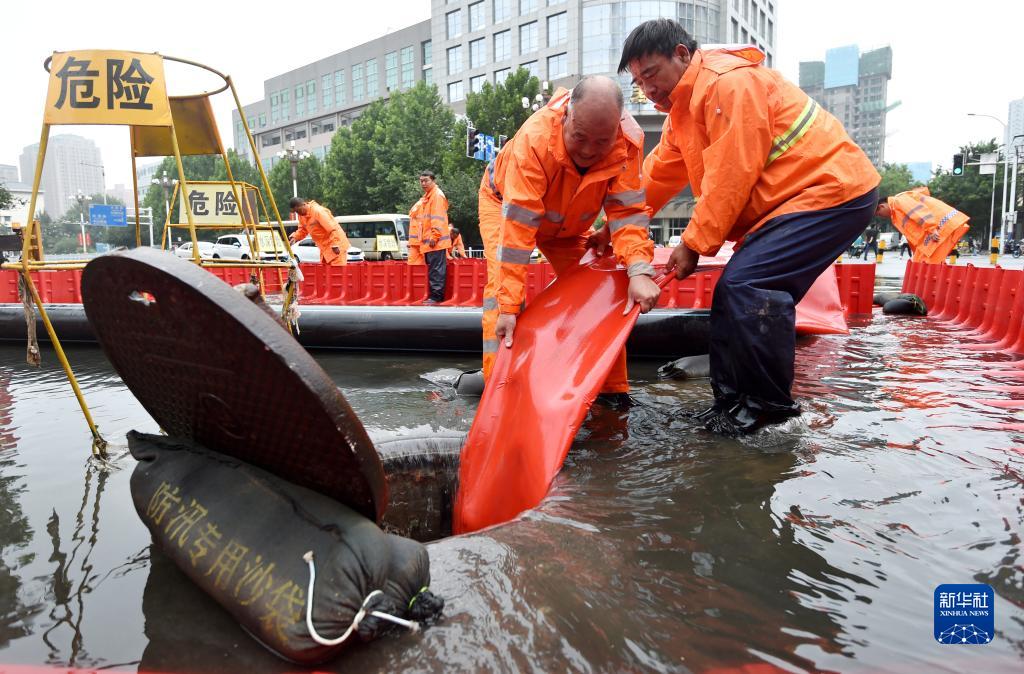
(437, 273)
(753, 336)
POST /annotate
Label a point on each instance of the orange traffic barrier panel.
(988, 291)
(949, 301)
(998, 304)
(974, 308)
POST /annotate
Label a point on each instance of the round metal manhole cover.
(211, 367)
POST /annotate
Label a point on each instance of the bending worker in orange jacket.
(318, 222)
(932, 228)
(571, 158)
(429, 219)
(771, 170)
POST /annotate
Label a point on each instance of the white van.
(367, 231)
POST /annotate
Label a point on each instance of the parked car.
(307, 251)
(206, 250)
(674, 240)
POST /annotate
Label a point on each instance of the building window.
(555, 2)
(745, 38)
(558, 30)
(558, 66)
(760, 24)
(477, 53)
(371, 78)
(735, 30)
(527, 38)
(269, 141)
(455, 92)
(477, 83)
(300, 100)
(428, 76)
(771, 33)
(531, 66)
(427, 48)
(502, 10)
(454, 20)
(339, 87)
(407, 78)
(357, 82)
(263, 119)
(311, 96)
(476, 16)
(455, 60)
(501, 75)
(527, 6)
(391, 70)
(286, 108)
(328, 91)
(503, 45)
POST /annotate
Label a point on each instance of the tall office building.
(466, 43)
(72, 163)
(8, 174)
(852, 86)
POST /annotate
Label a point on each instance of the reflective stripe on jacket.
(543, 195)
(931, 227)
(428, 219)
(320, 225)
(753, 146)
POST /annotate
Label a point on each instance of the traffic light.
(480, 146)
(471, 136)
(958, 164)
(501, 142)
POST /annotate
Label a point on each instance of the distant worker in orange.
(318, 223)
(429, 220)
(770, 170)
(577, 155)
(930, 227)
(415, 256)
(458, 249)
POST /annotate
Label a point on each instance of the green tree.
(6, 199)
(498, 110)
(971, 193)
(308, 176)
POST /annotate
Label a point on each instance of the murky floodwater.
(814, 547)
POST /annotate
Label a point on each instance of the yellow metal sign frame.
(129, 88)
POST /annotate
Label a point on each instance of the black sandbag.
(880, 299)
(905, 304)
(240, 534)
(470, 383)
(422, 477)
(689, 367)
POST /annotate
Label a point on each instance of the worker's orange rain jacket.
(325, 231)
(931, 227)
(428, 219)
(753, 146)
(542, 196)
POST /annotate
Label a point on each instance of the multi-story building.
(8, 174)
(21, 194)
(72, 163)
(852, 86)
(466, 43)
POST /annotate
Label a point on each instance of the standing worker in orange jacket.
(932, 228)
(429, 219)
(318, 222)
(771, 170)
(578, 154)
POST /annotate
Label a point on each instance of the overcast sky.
(948, 59)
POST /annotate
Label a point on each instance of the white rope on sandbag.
(408, 624)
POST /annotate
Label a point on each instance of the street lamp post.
(540, 100)
(167, 184)
(1003, 204)
(82, 199)
(103, 172)
(294, 156)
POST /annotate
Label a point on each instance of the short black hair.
(427, 173)
(882, 200)
(455, 231)
(296, 202)
(657, 36)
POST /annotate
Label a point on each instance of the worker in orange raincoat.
(429, 219)
(318, 223)
(771, 170)
(579, 154)
(415, 256)
(932, 228)
(458, 248)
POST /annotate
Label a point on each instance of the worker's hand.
(643, 291)
(683, 261)
(600, 241)
(431, 243)
(336, 250)
(505, 327)
(292, 239)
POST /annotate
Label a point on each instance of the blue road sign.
(484, 147)
(105, 215)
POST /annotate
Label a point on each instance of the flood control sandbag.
(242, 535)
(905, 304)
(688, 367)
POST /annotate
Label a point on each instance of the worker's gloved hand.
(505, 327)
(431, 242)
(683, 261)
(643, 291)
(600, 241)
(336, 250)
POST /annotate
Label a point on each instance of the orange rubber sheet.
(563, 348)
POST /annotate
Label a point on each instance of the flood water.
(816, 547)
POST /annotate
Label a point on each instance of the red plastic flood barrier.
(981, 296)
(856, 287)
(466, 281)
(952, 294)
(1007, 313)
(820, 312)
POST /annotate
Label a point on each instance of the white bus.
(377, 234)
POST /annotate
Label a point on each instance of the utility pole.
(294, 156)
(82, 199)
